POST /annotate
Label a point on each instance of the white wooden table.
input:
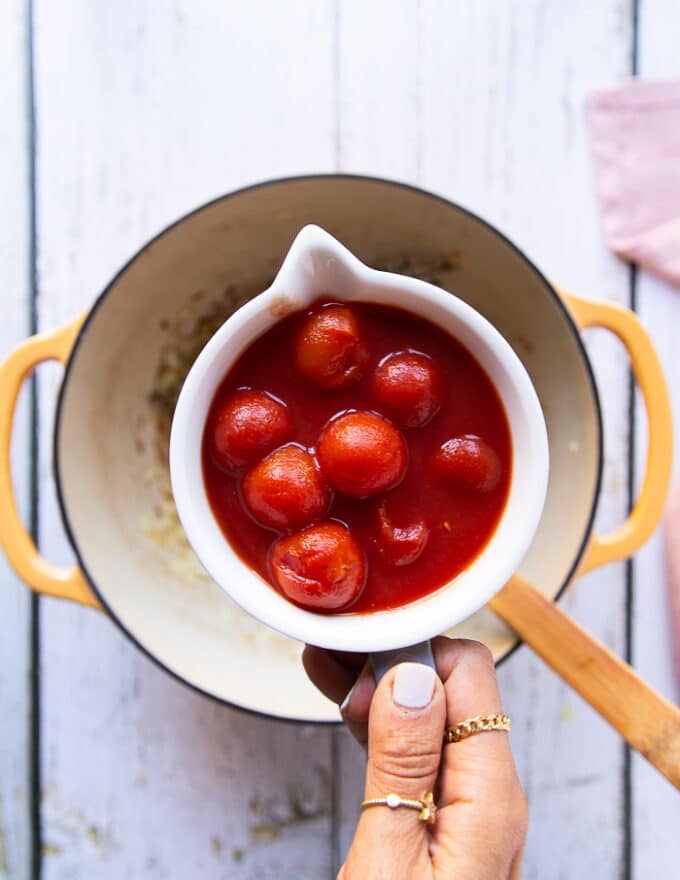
(119, 117)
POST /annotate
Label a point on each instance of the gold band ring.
(478, 724)
(425, 805)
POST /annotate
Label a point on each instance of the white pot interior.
(112, 439)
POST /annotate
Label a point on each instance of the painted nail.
(413, 685)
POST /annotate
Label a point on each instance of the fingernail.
(413, 685)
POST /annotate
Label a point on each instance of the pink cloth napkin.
(635, 135)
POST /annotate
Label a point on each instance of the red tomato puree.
(357, 457)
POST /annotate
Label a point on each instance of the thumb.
(405, 725)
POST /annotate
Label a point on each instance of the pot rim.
(222, 198)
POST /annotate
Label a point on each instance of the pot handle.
(648, 508)
(21, 552)
(645, 719)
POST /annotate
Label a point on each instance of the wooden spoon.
(646, 720)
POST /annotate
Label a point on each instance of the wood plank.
(656, 806)
(647, 721)
(494, 94)
(144, 113)
(15, 602)
(378, 88)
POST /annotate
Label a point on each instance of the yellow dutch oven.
(124, 363)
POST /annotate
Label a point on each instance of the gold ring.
(425, 805)
(478, 724)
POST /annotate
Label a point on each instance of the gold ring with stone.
(425, 805)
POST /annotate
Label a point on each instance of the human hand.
(481, 820)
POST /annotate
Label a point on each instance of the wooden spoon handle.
(647, 721)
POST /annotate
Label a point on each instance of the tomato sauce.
(456, 518)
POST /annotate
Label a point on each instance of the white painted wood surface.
(144, 111)
(15, 296)
(142, 114)
(497, 123)
(656, 806)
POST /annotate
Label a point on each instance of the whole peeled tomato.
(469, 463)
(328, 351)
(400, 545)
(285, 490)
(247, 426)
(361, 453)
(407, 385)
(321, 567)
